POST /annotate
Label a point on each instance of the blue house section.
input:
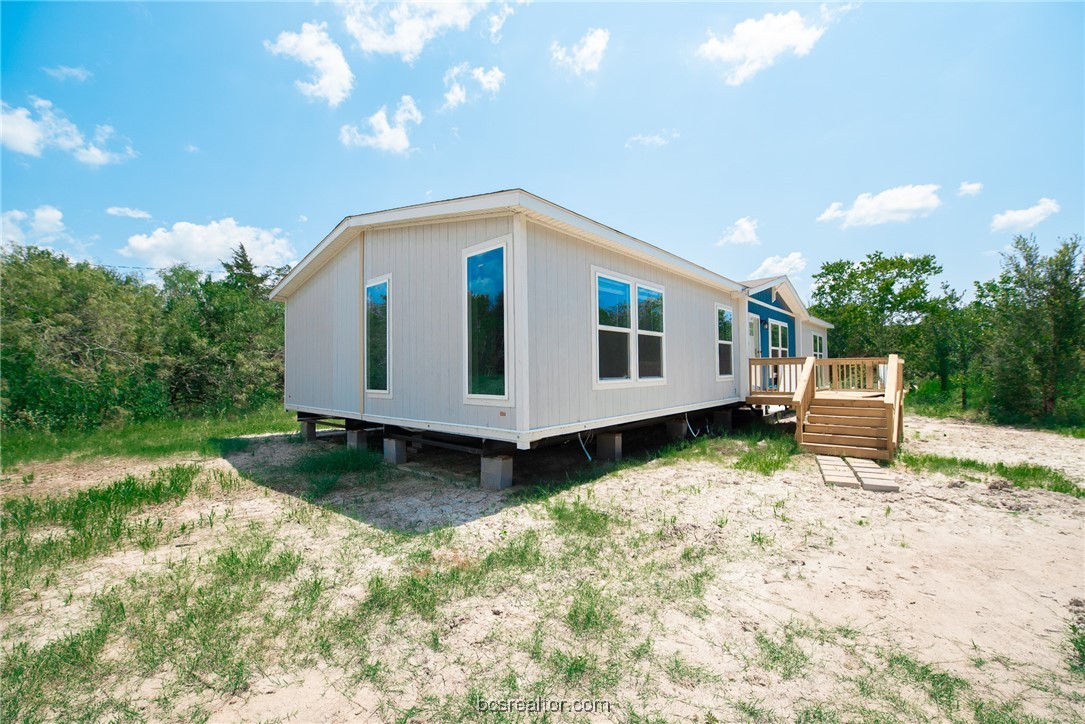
(775, 310)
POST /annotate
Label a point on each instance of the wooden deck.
(842, 407)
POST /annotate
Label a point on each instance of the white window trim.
(814, 347)
(501, 242)
(634, 380)
(787, 347)
(383, 394)
(718, 342)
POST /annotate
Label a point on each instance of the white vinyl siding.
(323, 338)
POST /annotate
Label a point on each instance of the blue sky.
(751, 139)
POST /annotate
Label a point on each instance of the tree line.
(82, 345)
(1012, 348)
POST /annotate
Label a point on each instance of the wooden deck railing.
(775, 375)
(804, 395)
(894, 402)
(844, 373)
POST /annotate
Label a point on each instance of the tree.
(953, 336)
(1037, 352)
(874, 304)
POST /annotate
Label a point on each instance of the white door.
(754, 336)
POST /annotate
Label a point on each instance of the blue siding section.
(775, 313)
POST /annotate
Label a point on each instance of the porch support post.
(496, 472)
(308, 430)
(395, 451)
(608, 446)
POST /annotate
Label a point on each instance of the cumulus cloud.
(65, 72)
(755, 45)
(31, 132)
(902, 203)
(586, 55)
(203, 246)
(743, 231)
(456, 90)
(405, 28)
(652, 140)
(191, 148)
(1022, 219)
(775, 266)
(127, 212)
(385, 136)
(43, 227)
(497, 19)
(332, 79)
(969, 188)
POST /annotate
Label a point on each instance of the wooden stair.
(846, 427)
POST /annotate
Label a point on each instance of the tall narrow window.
(376, 336)
(615, 328)
(778, 342)
(725, 341)
(649, 333)
(486, 323)
(819, 346)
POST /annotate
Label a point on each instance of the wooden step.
(850, 401)
(845, 440)
(819, 419)
(842, 450)
(820, 408)
(856, 430)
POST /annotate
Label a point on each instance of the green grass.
(783, 656)
(944, 689)
(90, 521)
(1022, 475)
(1077, 649)
(768, 454)
(338, 460)
(216, 435)
(591, 611)
(577, 517)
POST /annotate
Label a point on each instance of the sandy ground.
(949, 571)
(993, 444)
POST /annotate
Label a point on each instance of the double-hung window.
(819, 346)
(485, 321)
(725, 341)
(377, 349)
(629, 330)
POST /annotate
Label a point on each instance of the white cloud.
(497, 20)
(331, 78)
(969, 188)
(302, 218)
(203, 246)
(385, 137)
(64, 72)
(191, 148)
(43, 227)
(456, 95)
(652, 140)
(127, 212)
(902, 203)
(743, 231)
(405, 28)
(491, 80)
(23, 133)
(586, 55)
(1022, 219)
(775, 266)
(756, 44)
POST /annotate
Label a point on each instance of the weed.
(322, 485)
(755, 711)
(1077, 648)
(578, 517)
(686, 674)
(783, 656)
(816, 714)
(944, 689)
(1022, 475)
(591, 610)
(768, 455)
(760, 539)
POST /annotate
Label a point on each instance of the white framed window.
(378, 339)
(485, 314)
(725, 342)
(819, 345)
(629, 342)
(778, 339)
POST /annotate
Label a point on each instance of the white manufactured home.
(506, 320)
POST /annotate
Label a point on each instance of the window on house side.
(725, 336)
(486, 323)
(376, 337)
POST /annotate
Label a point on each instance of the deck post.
(308, 430)
(496, 472)
(608, 446)
(395, 451)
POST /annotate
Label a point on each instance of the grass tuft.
(767, 455)
(578, 517)
(783, 656)
(943, 688)
(591, 610)
(1022, 475)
